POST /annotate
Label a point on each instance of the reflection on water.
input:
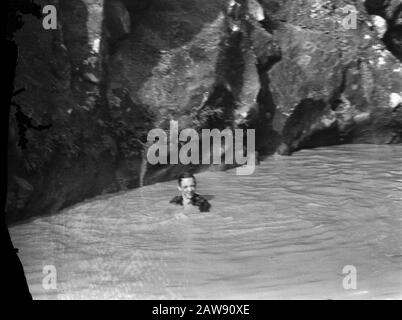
(286, 231)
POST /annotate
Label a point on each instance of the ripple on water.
(285, 232)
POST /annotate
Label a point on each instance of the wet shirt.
(196, 200)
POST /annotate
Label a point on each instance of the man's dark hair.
(185, 175)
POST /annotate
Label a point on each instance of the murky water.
(287, 231)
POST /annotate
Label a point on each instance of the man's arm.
(203, 204)
(177, 200)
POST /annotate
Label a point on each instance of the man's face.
(187, 188)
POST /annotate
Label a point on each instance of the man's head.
(186, 185)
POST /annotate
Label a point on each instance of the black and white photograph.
(179, 150)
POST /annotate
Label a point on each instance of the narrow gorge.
(301, 73)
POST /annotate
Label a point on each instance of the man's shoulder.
(201, 202)
(177, 200)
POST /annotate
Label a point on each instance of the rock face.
(391, 11)
(335, 81)
(302, 73)
(61, 70)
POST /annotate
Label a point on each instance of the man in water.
(187, 185)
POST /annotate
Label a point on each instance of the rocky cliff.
(303, 73)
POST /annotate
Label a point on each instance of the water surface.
(287, 231)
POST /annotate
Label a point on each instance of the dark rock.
(91, 78)
(117, 20)
(283, 149)
(350, 72)
(391, 11)
(19, 193)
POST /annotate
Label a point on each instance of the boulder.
(333, 83)
(391, 11)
